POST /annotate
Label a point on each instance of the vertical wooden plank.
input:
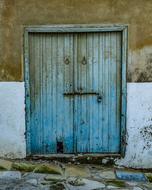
(34, 94)
(114, 73)
(50, 138)
(59, 89)
(54, 88)
(112, 95)
(84, 128)
(34, 58)
(75, 84)
(40, 83)
(100, 90)
(44, 95)
(81, 100)
(91, 111)
(89, 89)
(119, 85)
(51, 93)
(77, 99)
(68, 87)
(105, 62)
(95, 103)
(39, 92)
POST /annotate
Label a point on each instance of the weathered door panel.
(50, 76)
(97, 71)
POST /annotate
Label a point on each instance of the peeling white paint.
(12, 120)
(139, 123)
(139, 126)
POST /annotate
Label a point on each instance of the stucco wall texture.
(15, 14)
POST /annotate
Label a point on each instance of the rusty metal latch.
(80, 93)
(99, 96)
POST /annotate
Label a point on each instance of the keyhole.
(84, 61)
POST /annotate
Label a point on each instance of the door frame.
(78, 28)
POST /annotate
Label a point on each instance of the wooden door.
(75, 92)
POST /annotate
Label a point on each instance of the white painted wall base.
(139, 126)
(12, 120)
(139, 123)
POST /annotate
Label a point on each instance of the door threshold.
(105, 159)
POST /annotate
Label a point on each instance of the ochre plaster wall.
(15, 14)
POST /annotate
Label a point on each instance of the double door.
(75, 92)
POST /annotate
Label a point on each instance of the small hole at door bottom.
(59, 147)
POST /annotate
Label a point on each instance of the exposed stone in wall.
(140, 65)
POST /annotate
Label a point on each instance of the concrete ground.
(44, 175)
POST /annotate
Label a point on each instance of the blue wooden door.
(75, 82)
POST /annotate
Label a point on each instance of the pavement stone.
(131, 183)
(5, 164)
(74, 170)
(32, 175)
(111, 187)
(137, 188)
(130, 176)
(25, 167)
(116, 183)
(32, 181)
(76, 181)
(149, 176)
(87, 185)
(57, 178)
(48, 168)
(108, 175)
(10, 175)
(147, 185)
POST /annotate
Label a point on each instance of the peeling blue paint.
(78, 121)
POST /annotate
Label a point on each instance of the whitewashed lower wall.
(139, 123)
(139, 126)
(12, 120)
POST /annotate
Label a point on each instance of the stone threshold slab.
(106, 159)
